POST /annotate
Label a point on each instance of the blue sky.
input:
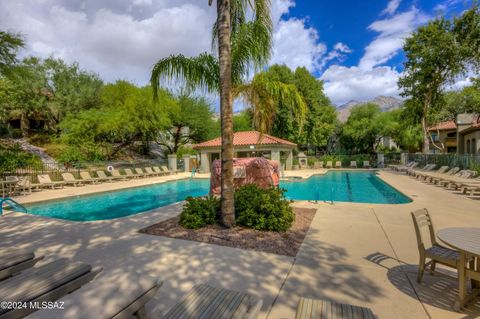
(354, 46)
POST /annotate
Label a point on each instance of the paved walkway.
(356, 253)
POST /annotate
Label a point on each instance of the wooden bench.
(321, 309)
(205, 301)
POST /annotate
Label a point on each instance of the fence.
(55, 170)
(451, 160)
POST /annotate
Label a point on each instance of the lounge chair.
(205, 301)
(470, 188)
(115, 294)
(398, 167)
(101, 175)
(130, 174)
(338, 164)
(166, 170)
(140, 172)
(366, 164)
(87, 178)
(150, 172)
(13, 261)
(48, 282)
(159, 171)
(24, 184)
(455, 182)
(428, 175)
(436, 253)
(414, 171)
(435, 178)
(318, 164)
(329, 164)
(353, 164)
(45, 181)
(117, 175)
(322, 309)
(69, 179)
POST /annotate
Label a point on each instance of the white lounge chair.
(353, 164)
(366, 164)
(117, 175)
(45, 181)
(338, 164)
(87, 178)
(69, 179)
(329, 164)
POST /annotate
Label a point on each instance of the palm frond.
(197, 72)
(263, 95)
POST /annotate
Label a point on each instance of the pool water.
(345, 186)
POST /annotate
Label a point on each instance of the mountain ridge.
(386, 103)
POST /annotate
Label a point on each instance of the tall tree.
(192, 121)
(242, 44)
(437, 54)
(10, 43)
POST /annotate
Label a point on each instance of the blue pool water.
(345, 186)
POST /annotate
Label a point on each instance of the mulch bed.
(287, 243)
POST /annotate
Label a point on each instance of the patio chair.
(24, 184)
(105, 177)
(428, 175)
(69, 179)
(205, 301)
(318, 164)
(150, 172)
(406, 168)
(45, 181)
(436, 253)
(395, 167)
(353, 164)
(321, 309)
(117, 175)
(140, 172)
(436, 178)
(157, 169)
(329, 164)
(115, 294)
(46, 283)
(14, 261)
(366, 164)
(426, 168)
(87, 178)
(166, 170)
(463, 176)
(338, 164)
(130, 174)
(471, 187)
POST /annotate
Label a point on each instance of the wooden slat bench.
(205, 301)
(322, 309)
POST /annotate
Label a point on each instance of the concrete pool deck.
(363, 254)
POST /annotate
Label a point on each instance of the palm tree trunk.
(224, 56)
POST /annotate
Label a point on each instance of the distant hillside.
(386, 103)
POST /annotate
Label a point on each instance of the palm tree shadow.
(439, 290)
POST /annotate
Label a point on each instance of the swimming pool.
(345, 186)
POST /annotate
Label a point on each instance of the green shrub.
(263, 209)
(13, 158)
(199, 212)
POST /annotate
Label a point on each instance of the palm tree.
(243, 45)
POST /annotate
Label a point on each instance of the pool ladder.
(11, 203)
(317, 195)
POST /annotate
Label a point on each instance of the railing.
(451, 160)
(55, 170)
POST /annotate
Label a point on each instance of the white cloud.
(296, 45)
(389, 42)
(113, 42)
(391, 7)
(343, 84)
(342, 47)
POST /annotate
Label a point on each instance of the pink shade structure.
(256, 170)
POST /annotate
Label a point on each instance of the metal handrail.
(12, 203)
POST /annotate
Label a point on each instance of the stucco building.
(461, 136)
(248, 144)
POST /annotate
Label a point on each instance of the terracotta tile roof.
(448, 125)
(247, 138)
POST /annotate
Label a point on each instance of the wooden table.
(467, 241)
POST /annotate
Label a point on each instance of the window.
(474, 146)
(467, 150)
(434, 137)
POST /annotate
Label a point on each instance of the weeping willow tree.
(243, 35)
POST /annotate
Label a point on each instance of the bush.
(263, 209)
(13, 158)
(199, 212)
